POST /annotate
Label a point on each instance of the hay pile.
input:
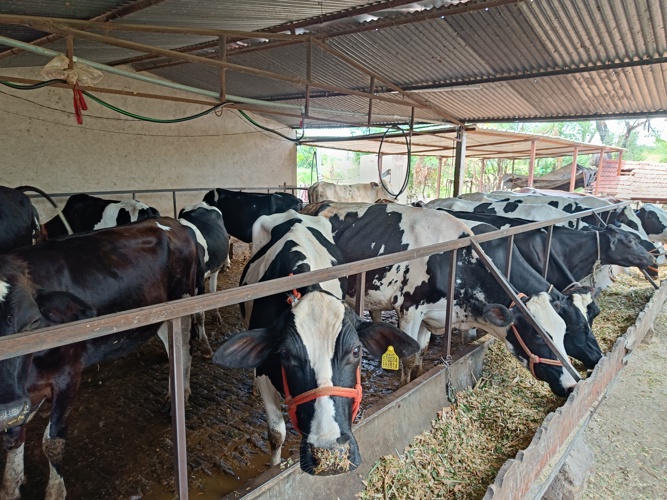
(460, 456)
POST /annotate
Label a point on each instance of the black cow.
(241, 209)
(573, 252)
(84, 212)
(417, 290)
(19, 221)
(309, 339)
(206, 223)
(74, 278)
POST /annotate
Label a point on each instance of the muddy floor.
(120, 444)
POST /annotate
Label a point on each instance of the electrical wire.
(296, 140)
(408, 144)
(34, 86)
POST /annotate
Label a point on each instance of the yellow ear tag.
(390, 359)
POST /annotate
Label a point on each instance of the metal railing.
(56, 336)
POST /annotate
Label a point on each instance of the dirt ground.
(628, 433)
(120, 444)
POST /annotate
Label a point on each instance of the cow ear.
(62, 307)
(498, 315)
(245, 350)
(374, 184)
(376, 337)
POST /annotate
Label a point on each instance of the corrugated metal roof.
(504, 51)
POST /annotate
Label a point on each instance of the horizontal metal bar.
(47, 338)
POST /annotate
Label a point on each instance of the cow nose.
(14, 413)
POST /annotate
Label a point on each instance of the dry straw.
(490, 423)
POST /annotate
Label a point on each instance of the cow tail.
(23, 189)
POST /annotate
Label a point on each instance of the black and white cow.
(312, 344)
(19, 221)
(417, 290)
(206, 223)
(559, 201)
(511, 209)
(241, 209)
(84, 212)
(654, 222)
(573, 253)
(74, 278)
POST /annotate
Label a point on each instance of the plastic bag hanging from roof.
(80, 74)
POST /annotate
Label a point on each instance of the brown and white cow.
(71, 279)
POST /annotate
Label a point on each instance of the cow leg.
(212, 287)
(163, 333)
(376, 316)
(202, 339)
(14, 476)
(274, 417)
(410, 323)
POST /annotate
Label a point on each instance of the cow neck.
(580, 262)
(320, 392)
(533, 359)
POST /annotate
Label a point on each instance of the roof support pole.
(459, 162)
(573, 172)
(599, 174)
(481, 176)
(223, 71)
(309, 73)
(620, 164)
(371, 90)
(531, 165)
(439, 181)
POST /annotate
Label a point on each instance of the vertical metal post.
(178, 407)
(547, 251)
(620, 164)
(173, 201)
(371, 90)
(459, 162)
(573, 172)
(361, 292)
(309, 72)
(531, 165)
(508, 264)
(481, 176)
(439, 181)
(70, 52)
(223, 72)
(451, 290)
(596, 190)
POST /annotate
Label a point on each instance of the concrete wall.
(43, 146)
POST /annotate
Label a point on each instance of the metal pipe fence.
(60, 335)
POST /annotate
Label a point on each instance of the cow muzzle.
(338, 459)
(14, 413)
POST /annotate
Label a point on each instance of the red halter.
(533, 359)
(320, 392)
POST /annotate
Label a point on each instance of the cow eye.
(356, 352)
(284, 355)
(33, 325)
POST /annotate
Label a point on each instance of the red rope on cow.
(533, 359)
(320, 392)
(294, 296)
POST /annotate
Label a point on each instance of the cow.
(307, 342)
(417, 290)
(84, 212)
(654, 222)
(364, 192)
(75, 278)
(512, 209)
(555, 200)
(573, 253)
(241, 209)
(209, 230)
(19, 220)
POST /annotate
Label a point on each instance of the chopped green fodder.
(469, 442)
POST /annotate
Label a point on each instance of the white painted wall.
(42, 145)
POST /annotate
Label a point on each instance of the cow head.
(317, 344)
(23, 307)
(578, 309)
(624, 249)
(522, 340)
(654, 222)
